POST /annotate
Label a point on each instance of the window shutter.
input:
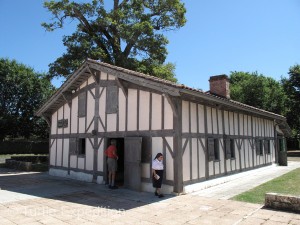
(228, 148)
(211, 149)
(257, 146)
(112, 99)
(82, 104)
(73, 146)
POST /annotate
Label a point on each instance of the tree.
(128, 34)
(292, 89)
(258, 91)
(22, 92)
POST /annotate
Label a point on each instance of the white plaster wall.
(201, 119)
(169, 160)
(237, 156)
(59, 152)
(100, 156)
(233, 164)
(54, 123)
(60, 113)
(157, 146)
(73, 161)
(236, 123)
(102, 107)
(186, 162)
(145, 170)
(74, 115)
(91, 80)
(81, 162)
(193, 118)
(144, 110)
(201, 159)
(222, 156)
(53, 152)
(214, 121)
(83, 84)
(211, 168)
(111, 77)
(242, 155)
(168, 117)
(209, 120)
(185, 116)
(226, 122)
(231, 123)
(228, 165)
(246, 147)
(89, 155)
(132, 110)
(194, 159)
(66, 153)
(112, 122)
(250, 154)
(249, 126)
(103, 76)
(217, 167)
(67, 116)
(245, 125)
(241, 122)
(81, 125)
(156, 112)
(122, 110)
(90, 110)
(220, 121)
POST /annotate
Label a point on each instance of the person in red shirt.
(112, 157)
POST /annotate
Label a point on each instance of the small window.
(216, 149)
(232, 148)
(267, 146)
(261, 147)
(81, 146)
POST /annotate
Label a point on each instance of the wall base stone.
(282, 202)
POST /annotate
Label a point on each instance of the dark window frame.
(81, 146)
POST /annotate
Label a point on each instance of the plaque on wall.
(63, 123)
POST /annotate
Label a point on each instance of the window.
(232, 148)
(81, 146)
(259, 147)
(229, 148)
(267, 146)
(213, 149)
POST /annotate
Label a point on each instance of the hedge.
(24, 147)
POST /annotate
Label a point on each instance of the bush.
(24, 147)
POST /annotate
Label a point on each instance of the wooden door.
(132, 163)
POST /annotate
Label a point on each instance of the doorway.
(119, 180)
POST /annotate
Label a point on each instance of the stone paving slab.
(44, 199)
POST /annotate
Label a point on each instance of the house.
(203, 135)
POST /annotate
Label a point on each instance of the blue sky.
(219, 37)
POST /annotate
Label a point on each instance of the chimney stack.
(219, 85)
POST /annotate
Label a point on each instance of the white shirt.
(157, 165)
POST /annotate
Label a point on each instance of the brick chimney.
(219, 85)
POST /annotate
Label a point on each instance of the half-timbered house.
(203, 135)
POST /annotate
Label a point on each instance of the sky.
(219, 37)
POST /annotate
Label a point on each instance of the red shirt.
(110, 152)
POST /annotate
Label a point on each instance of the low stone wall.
(282, 202)
(18, 165)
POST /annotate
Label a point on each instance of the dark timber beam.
(121, 85)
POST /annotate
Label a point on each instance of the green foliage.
(22, 92)
(292, 89)
(258, 91)
(127, 34)
(285, 184)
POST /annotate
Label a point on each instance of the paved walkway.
(37, 198)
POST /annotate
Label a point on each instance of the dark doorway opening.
(119, 180)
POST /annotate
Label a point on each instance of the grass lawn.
(286, 184)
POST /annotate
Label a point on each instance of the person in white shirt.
(157, 174)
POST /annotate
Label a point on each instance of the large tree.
(22, 91)
(259, 91)
(292, 88)
(126, 33)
